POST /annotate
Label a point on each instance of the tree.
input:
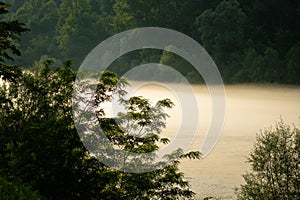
(275, 25)
(16, 190)
(137, 130)
(9, 34)
(230, 30)
(275, 165)
(293, 64)
(181, 66)
(40, 145)
(79, 28)
(221, 31)
(41, 17)
(140, 13)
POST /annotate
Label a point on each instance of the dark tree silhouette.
(9, 34)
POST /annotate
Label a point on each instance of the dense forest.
(43, 42)
(42, 155)
(250, 41)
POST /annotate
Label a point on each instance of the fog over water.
(249, 108)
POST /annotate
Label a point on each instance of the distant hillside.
(250, 41)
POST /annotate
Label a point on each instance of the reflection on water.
(249, 108)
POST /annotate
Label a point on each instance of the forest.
(43, 43)
(250, 41)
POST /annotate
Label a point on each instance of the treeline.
(250, 41)
(48, 145)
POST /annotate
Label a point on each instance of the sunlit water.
(249, 108)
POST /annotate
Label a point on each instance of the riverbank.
(249, 108)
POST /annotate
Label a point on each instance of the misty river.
(249, 108)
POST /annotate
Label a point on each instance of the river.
(249, 108)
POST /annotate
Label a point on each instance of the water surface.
(249, 108)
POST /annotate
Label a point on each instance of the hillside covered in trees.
(250, 41)
(42, 155)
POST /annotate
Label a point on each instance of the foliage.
(41, 17)
(137, 130)
(246, 41)
(222, 34)
(9, 34)
(275, 165)
(293, 64)
(79, 28)
(181, 65)
(16, 190)
(40, 145)
(230, 30)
